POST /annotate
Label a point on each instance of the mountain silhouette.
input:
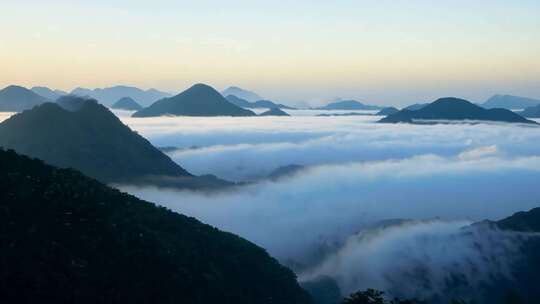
(454, 109)
(416, 106)
(109, 96)
(240, 102)
(17, 99)
(274, 112)
(387, 111)
(67, 238)
(531, 112)
(348, 105)
(241, 93)
(73, 103)
(510, 102)
(48, 93)
(127, 103)
(90, 139)
(256, 104)
(199, 100)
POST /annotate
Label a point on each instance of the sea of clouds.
(358, 173)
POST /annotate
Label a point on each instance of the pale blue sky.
(392, 52)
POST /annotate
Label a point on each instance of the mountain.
(73, 103)
(510, 102)
(241, 93)
(67, 238)
(274, 112)
(387, 111)
(348, 105)
(270, 105)
(239, 101)
(416, 106)
(108, 96)
(257, 104)
(127, 103)
(90, 139)
(48, 93)
(454, 109)
(17, 99)
(525, 272)
(531, 112)
(199, 100)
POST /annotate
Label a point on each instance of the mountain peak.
(457, 109)
(91, 139)
(16, 98)
(127, 103)
(199, 100)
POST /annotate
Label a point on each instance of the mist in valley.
(427, 183)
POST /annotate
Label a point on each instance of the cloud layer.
(320, 221)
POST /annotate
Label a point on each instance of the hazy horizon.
(388, 52)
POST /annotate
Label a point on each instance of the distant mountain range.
(454, 109)
(241, 93)
(510, 102)
(256, 104)
(93, 140)
(109, 96)
(531, 112)
(274, 112)
(199, 100)
(17, 99)
(348, 105)
(49, 93)
(127, 103)
(67, 238)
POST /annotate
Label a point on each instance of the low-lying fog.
(326, 218)
(357, 173)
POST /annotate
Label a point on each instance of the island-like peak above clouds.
(510, 102)
(387, 111)
(274, 112)
(241, 93)
(16, 99)
(71, 239)
(108, 96)
(349, 105)
(87, 137)
(198, 100)
(451, 108)
(256, 104)
(127, 103)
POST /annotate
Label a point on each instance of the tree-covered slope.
(66, 238)
(90, 139)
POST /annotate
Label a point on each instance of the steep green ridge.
(90, 139)
(199, 100)
(66, 238)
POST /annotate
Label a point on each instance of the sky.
(382, 52)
